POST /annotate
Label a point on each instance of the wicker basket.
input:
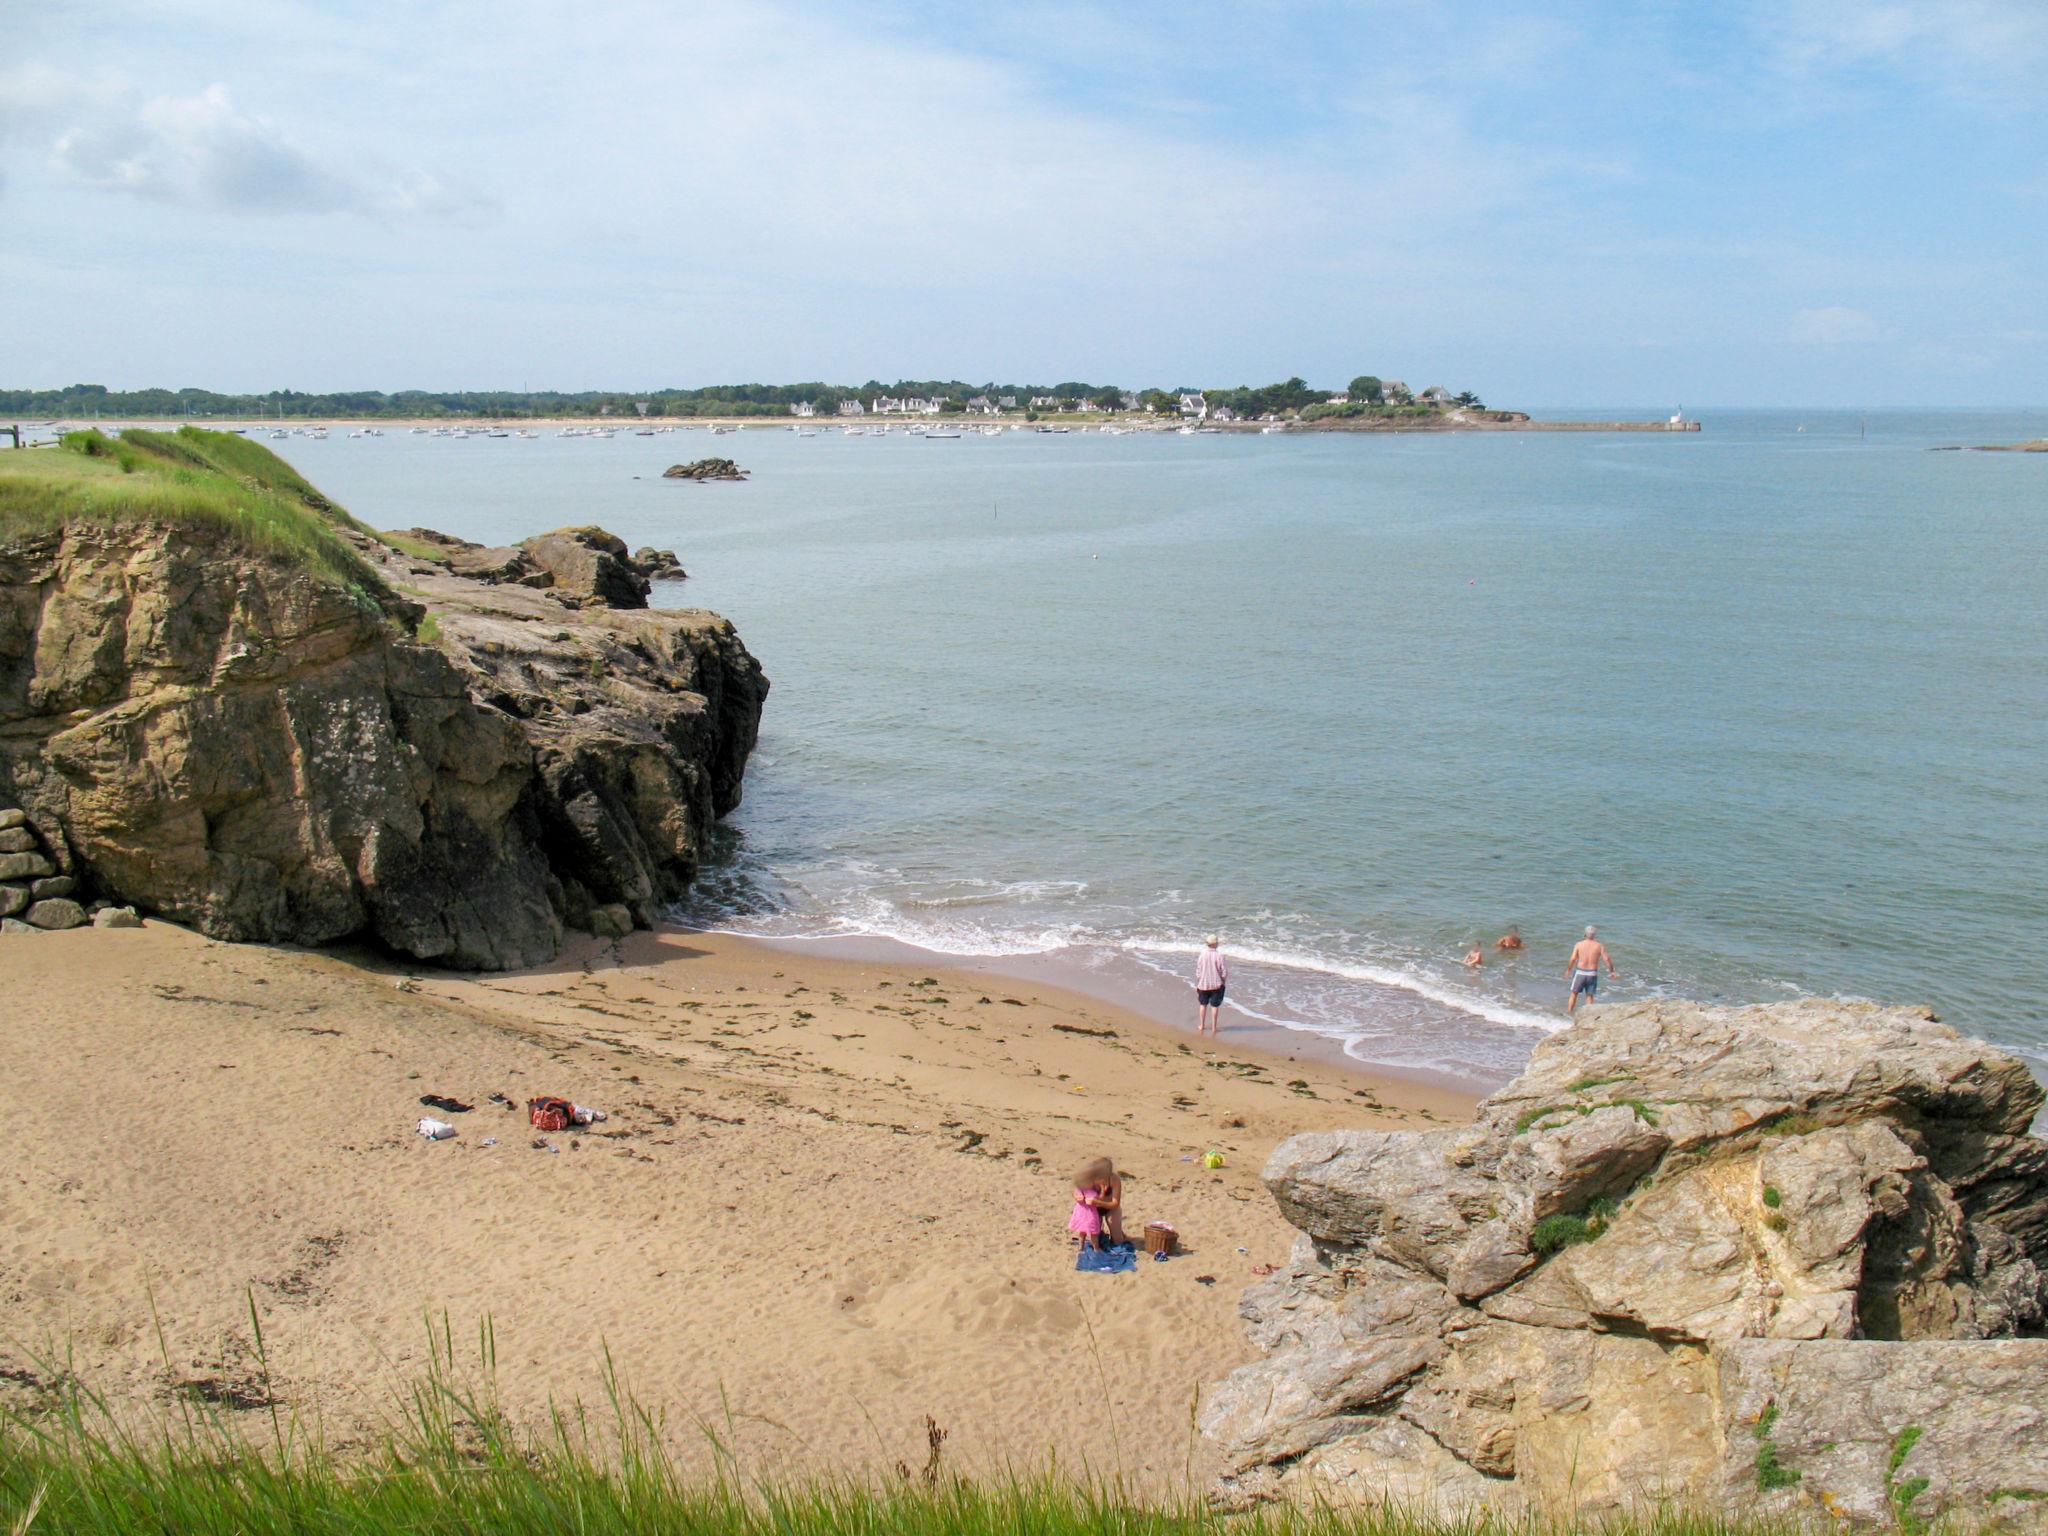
(1160, 1238)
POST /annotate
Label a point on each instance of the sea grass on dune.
(451, 1462)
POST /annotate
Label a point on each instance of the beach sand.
(830, 1199)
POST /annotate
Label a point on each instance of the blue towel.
(1107, 1261)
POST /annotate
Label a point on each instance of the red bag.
(549, 1113)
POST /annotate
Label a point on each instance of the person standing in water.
(1583, 969)
(1210, 976)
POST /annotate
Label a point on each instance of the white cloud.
(1983, 50)
(202, 151)
(1832, 325)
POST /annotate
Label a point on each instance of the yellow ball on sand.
(1212, 1160)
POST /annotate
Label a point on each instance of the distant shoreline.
(1504, 421)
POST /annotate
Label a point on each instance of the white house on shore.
(1008, 402)
(1045, 402)
(913, 405)
(1222, 413)
(802, 408)
(852, 408)
(1341, 397)
(1194, 405)
(1436, 394)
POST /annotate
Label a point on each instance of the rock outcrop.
(705, 469)
(228, 740)
(1776, 1259)
(579, 567)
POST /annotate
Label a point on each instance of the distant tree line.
(85, 401)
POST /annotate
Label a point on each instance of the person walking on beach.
(1583, 969)
(1210, 976)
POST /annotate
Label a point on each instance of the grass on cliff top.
(228, 1458)
(217, 479)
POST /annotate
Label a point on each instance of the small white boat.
(932, 435)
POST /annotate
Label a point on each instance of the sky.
(1800, 202)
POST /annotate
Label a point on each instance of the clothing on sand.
(1120, 1260)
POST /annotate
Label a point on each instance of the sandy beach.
(829, 1201)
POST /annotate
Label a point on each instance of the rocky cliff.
(1768, 1260)
(231, 738)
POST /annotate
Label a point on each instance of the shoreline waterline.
(1109, 974)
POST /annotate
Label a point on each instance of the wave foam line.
(1381, 976)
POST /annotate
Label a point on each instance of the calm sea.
(1768, 703)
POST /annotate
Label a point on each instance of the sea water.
(1768, 703)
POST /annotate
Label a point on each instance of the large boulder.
(589, 565)
(1681, 1231)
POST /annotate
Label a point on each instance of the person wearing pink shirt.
(1211, 974)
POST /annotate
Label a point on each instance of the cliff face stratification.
(224, 738)
(1765, 1260)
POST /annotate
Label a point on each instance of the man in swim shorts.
(1583, 969)
(1210, 975)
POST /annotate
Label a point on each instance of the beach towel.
(1107, 1261)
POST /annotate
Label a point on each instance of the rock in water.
(233, 742)
(1780, 1260)
(705, 469)
(658, 564)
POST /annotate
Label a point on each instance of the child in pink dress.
(1091, 1193)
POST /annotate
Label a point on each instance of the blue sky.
(1805, 202)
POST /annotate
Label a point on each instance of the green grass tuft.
(1902, 1494)
(1902, 1447)
(1772, 1197)
(1771, 1473)
(1598, 1082)
(214, 480)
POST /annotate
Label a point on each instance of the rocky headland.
(1786, 1260)
(244, 711)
